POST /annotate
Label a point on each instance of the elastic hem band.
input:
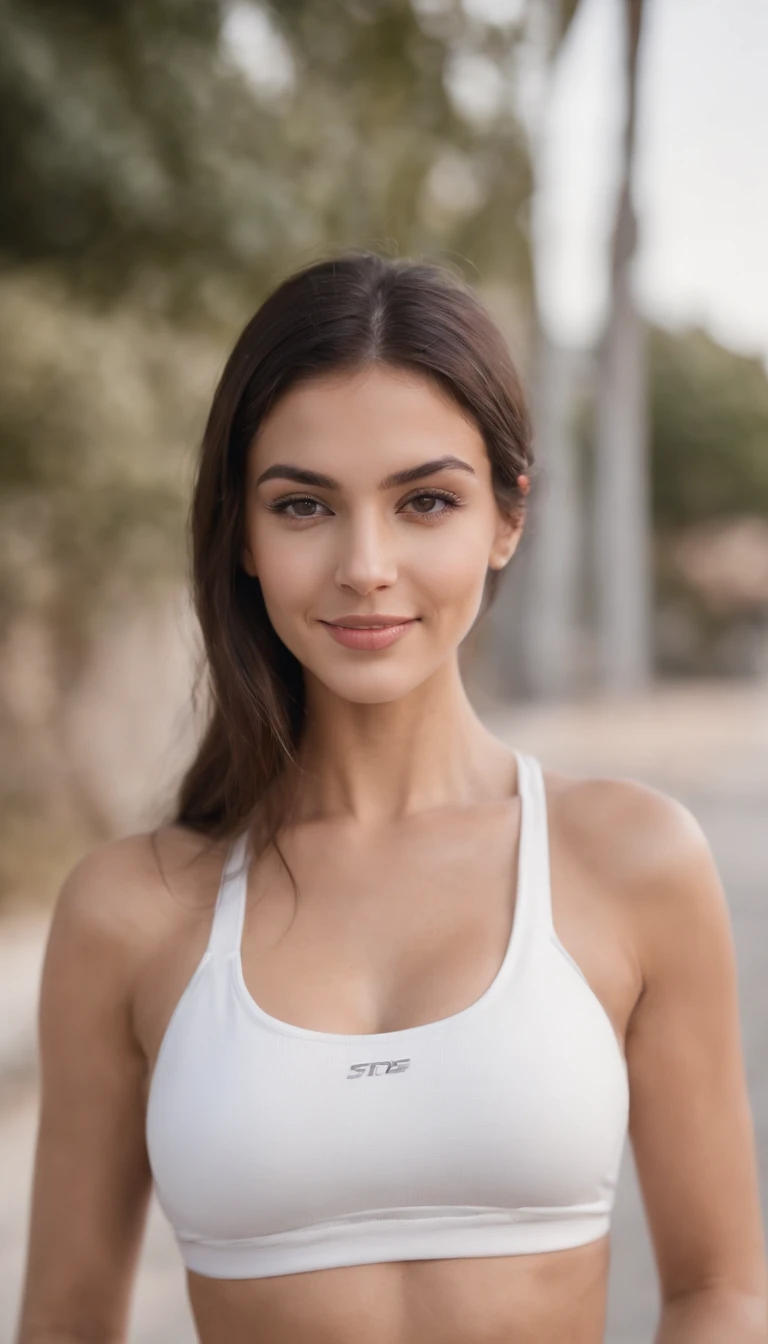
(396, 1236)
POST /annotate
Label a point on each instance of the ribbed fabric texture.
(277, 1149)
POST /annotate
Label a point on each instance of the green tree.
(709, 423)
(133, 146)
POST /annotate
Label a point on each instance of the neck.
(378, 762)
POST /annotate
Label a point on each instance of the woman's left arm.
(690, 1122)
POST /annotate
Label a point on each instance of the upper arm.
(91, 1176)
(690, 1119)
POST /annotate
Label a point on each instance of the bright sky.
(702, 179)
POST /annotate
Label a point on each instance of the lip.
(367, 622)
(356, 635)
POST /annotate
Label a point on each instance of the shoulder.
(629, 828)
(649, 851)
(121, 898)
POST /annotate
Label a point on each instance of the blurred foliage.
(709, 486)
(129, 145)
(709, 424)
(97, 423)
(709, 418)
(136, 150)
(708, 429)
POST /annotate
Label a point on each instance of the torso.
(384, 937)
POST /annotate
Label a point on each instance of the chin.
(369, 690)
(370, 685)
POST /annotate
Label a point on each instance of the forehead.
(363, 417)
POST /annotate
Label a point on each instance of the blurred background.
(596, 169)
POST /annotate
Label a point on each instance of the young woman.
(376, 1010)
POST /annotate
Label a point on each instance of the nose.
(366, 560)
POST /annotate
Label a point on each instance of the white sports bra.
(276, 1149)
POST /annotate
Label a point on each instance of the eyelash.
(451, 500)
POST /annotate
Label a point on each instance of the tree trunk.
(549, 568)
(623, 525)
(551, 592)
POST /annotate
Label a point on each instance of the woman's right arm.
(92, 1180)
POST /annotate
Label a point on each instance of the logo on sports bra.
(387, 1065)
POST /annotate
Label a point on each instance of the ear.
(505, 543)
(246, 560)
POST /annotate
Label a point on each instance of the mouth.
(370, 622)
(369, 633)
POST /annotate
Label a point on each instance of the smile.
(369, 637)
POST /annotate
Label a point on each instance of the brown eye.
(424, 504)
(304, 506)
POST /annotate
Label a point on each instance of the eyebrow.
(285, 471)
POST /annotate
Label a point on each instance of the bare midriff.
(554, 1297)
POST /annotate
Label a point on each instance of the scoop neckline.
(278, 1025)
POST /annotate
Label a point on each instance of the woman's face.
(368, 499)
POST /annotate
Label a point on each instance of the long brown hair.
(342, 313)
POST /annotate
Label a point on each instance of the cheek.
(286, 598)
(288, 571)
(453, 572)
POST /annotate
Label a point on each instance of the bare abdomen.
(556, 1297)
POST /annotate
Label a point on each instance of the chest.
(392, 932)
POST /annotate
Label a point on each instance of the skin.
(407, 806)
